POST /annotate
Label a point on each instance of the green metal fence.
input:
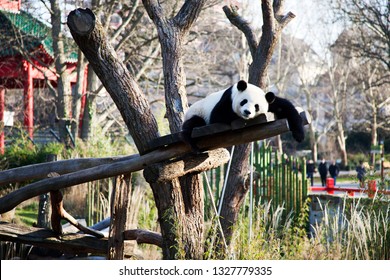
(279, 179)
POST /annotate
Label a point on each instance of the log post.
(119, 217)
(43, 220)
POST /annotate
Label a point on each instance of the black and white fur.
(242, 100)
(284, 109)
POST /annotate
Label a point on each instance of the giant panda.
(242, 100)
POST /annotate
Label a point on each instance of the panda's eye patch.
(257, 108)
(243, 102)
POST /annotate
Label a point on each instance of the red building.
(26, 54)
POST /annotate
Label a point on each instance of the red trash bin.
(371, 188)
(330, 185)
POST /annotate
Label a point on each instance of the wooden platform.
(218, 128)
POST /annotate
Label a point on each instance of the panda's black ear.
(242, 85)
(270, 96)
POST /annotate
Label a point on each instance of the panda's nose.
(247, 112)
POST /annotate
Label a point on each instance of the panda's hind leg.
(187, 128)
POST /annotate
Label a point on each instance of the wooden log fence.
(169, 149)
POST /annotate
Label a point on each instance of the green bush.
(23, 152)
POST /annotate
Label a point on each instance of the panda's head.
(248, 101)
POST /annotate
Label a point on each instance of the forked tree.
(179, 199)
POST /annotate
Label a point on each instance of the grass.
(28, 214)
(360, 231)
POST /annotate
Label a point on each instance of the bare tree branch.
(144, 236)
(154, 10)
(188, 13)
(243, 25)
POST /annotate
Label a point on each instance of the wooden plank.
(69, 243)
(189, 164)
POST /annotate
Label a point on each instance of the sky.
(312, 21)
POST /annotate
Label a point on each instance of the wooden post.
(119, 217)
(2, 102)
(43, 219)
(28, 100)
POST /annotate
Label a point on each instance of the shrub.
(23, 152)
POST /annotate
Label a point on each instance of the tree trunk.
(179, 201)
(181, 217)
(236, 189)
(63, 103)
(312, 134)
(258, 74)
(180, 212)
(89, 115)
(119, 217)
(125, 92)
(77, 95)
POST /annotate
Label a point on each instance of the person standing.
(334, 171)
(323, 170)
(361, 172)
(310, 168)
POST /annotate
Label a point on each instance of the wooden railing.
(62, 174)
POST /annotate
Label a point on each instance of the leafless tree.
(370, 21)
(366, 39)
(261, 51)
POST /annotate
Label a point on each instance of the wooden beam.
(70, 243)
(189, 164)
(41, 170)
